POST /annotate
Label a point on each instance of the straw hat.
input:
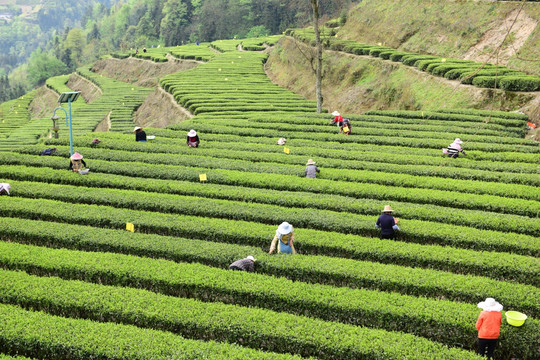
(284, 228)
(387, 208)
(490, 305)
(335, 113)
(251, 258)
(458, 141)
(137, 128)
(192, 133)
(5, 186)
(310, 162)
(76, 156)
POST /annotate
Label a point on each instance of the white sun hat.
(251, 258)
(5, 186)
(458, 141)
(310, 162)
(192, 133)
(137, 128)
(336, 113)
(284, 228)
(490, 305)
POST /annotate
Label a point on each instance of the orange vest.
(489, 324)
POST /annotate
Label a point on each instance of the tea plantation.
(75, 284)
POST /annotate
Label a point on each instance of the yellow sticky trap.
(132, 89)
(239, 56)
(130, 227)
(380, 44)
(202, 177)
(443, 60)
(219, 69)
(286, 150)
(226, 79)
(422, 114)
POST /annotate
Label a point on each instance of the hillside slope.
(354, 83)
(464, 29)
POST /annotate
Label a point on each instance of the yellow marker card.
(130, 227)
(202, 177)
(286, 150)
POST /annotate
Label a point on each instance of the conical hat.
(76, 156)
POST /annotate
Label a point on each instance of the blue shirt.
(386, 222)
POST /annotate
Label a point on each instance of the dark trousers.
(232, 267)
(486, 347)
(388, 236)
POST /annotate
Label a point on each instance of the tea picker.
(192, 139)
(77, 164)
(140, 135)
(454, 149)
(338, 119)
(387, 224)
(311, 169)
(4, 188)
(283, 240)
(488, 326)
(247, 264)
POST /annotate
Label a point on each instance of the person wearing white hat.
(387, 224)
(193, 139)
(454, 149)
(140, 135)
(247, 264)
(284, 239)
(488, 326)
(4, 188)
(338, 119)
(311, 169)
(76, 162)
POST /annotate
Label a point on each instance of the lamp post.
(68, 97)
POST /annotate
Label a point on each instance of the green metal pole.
(70, 129)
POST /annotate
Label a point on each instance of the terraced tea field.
(76, 285)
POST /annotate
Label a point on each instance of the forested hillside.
(54, 37)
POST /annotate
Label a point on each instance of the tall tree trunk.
(318, 71)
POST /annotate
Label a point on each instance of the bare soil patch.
(141, 72)
(485, 49)
(89, 90)
(160, 110)
(44, 103)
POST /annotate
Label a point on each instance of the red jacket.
(489, 324)
(338, 119)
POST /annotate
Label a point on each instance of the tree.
(75, 42)
(174, 23)
(42, 66)
(318, 44)
(257, 31)
(145, 27)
